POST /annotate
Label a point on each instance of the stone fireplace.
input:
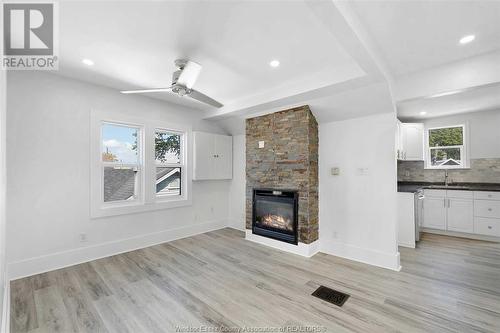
(282, 156)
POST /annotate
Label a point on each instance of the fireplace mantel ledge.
(302, 249)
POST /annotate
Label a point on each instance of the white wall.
(237, 190)
(48, 176)
(3, 280)
(484, 131)
(358, 212)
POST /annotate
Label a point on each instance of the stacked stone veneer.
(288, 161)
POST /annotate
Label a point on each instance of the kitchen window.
(446, 147)
(138, 164)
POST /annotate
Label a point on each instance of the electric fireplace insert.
(275, 214)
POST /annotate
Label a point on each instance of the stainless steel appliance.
(419, 212)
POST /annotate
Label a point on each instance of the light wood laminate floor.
(218, 279)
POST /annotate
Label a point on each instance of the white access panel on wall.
(213, 156)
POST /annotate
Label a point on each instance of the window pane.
(440, 137)
(168, 181)
(119, 183)
(167, 147)
(446, 157)
(119, 144)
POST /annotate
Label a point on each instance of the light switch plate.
(335, 171)
(261, 144)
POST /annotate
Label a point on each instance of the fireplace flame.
(277, 221)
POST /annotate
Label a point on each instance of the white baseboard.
(72, 257)
(412, 246)
(461, 235)
(364, 255)
(237, 225)
(6, 308)
(302, 249)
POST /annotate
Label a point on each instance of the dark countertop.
(412, 187)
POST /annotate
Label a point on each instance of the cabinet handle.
(489, 209)
(489, 195)
(449, 203)
(444, 203)
(490, 227)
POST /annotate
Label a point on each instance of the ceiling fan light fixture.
(182, 82)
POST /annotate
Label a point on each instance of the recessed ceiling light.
(88, 62)
(423, 113)
(467, 39)
(274, 63)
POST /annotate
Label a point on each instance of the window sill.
(135, 208)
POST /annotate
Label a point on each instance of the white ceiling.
(134, 45)
(476, 99)
(332, 53)
(415, 35)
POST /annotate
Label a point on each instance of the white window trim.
(147, 199)
(464, 148)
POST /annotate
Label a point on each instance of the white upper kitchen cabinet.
(412, 141)
(213, 156)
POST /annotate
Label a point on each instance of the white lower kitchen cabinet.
(434, 213)
(460, 215)
(487, 226)
(468, 212)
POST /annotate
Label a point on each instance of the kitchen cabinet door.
(460, 215)
(434, 213)
(413, 141)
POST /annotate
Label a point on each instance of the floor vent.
(332, 296)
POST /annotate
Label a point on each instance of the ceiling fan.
(183, 81)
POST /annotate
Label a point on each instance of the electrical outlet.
(261, 144)
(334, 234)
(407, 173)
(83, 237)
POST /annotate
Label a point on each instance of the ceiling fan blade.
(142, 91)
(204, 98)
(189, 74)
